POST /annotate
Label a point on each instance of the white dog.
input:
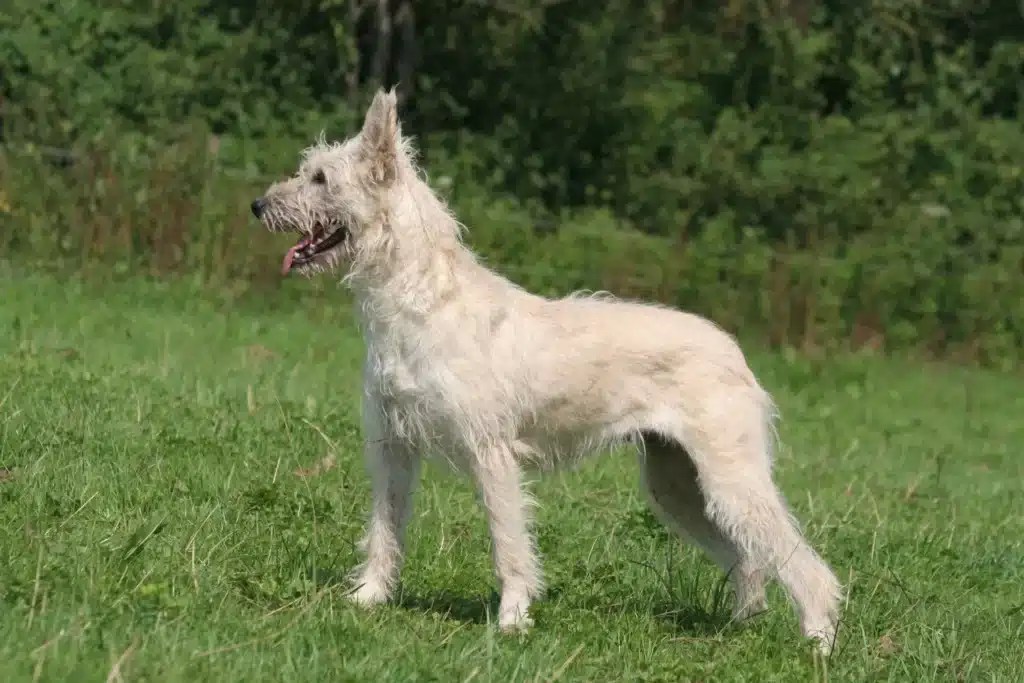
(464, 364)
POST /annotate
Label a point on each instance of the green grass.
(151, 514)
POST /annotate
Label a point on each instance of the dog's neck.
(417, 272)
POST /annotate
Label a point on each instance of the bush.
(822, 174)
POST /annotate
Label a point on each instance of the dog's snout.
(258, 207)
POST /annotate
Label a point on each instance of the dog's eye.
(320, 178)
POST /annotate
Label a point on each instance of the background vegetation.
(820, 173)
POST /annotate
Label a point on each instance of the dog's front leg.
(515, 558)
(394, 469)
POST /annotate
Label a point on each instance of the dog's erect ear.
(381, 136)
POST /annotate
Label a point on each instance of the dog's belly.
(554, 445)
(443, 414)
(415, 418)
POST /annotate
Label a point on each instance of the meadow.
(182, 490)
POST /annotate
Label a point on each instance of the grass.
(159, 522)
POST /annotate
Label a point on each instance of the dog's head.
(336, 200)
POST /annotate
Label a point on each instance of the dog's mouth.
(322, 239)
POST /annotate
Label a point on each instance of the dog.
(465, 365)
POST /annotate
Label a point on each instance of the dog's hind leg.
(394, 469)
(670, 479)
(516, 562)
(731, 450)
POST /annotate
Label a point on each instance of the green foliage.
(821, 173)
(77, 69)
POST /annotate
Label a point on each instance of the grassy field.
(161, 517)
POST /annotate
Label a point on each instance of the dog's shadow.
(478, 610)
(685, 619)
(692, 620)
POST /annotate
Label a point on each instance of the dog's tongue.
(290, 255)
(287, 265)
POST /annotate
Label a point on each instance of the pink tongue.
(287, 265)
(290, 256)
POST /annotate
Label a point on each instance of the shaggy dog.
(463, 364)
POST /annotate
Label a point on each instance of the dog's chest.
(413, 404)
(412, 363)
(398, 378)
(408, 376)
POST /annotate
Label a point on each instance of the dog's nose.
(257, 207)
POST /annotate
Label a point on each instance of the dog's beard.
(312, 246)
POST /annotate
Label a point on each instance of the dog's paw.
(369, 593)
(823, 635)
(515, 618)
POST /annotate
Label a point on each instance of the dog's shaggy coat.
(463, 364)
